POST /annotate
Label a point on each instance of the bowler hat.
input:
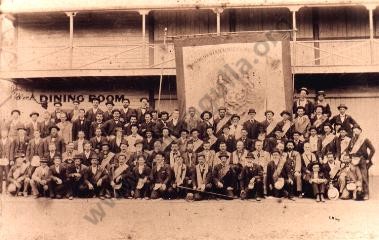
(342, 105)
(34, 113)
(304, 89)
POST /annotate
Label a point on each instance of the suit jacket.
(45, 128)
(270, 132)
(109, 127)
(87, 160)
(230, 142)
(55, 116)
(62, 175)
(97, 144)
(252, 128)
(35, 149)
(83, 170)
(114, 146)
(175, 129)
(93, 178)
(302, 125)
(219, 123)
(163, 175)
(65, 131)
(203, 125)
(126, 115)
(271, 168)
(288, 128)
(195, 176)
(146, 172)
(17, 146)
(366, 150)
(140, 114)
(107, 116)
(5, 149)
(309, 107)
(50, 157)
(248, 172)
(328, 146)
(228, 180)
(144, 126)
(342, 146)
(59, 143)
(348, 123)
(91, 115)
(148, 144)
(30, 129)
(81, 125)
(189, 160)
(248, 143)
(93, 127)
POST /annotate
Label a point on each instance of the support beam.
(218, 12)
(143, 13)
(371, 9)
(71, 16)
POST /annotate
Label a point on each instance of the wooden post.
(294, 10)
(371, 9)
(143, 13)
(71, 46)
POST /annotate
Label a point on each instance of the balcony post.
(294, 10)
(144, 13)
(371, 9)
(218, 12)
(71, 15)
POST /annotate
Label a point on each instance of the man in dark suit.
(126, 112)
(143, 109)
(175, 124)
(20, 143)
(97, 140)
(88, 153)
(108, 113)
(35, 146)
(91, 114)
(252, 126)
(58, 178)
(362, 148)
(55, 116)
(96, 124)
(54, 138)
(303, 102)
(221, 121)
(97, 178)
(33, 125)
(247, 142)
(147, 124)
(46, 124)
(160, 178)
(77, 183)
(228, 139)
(344, 119)
(109, 127)
(81, 124)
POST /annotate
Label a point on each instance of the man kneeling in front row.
(201, 178)
(251, 179)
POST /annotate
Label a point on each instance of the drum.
(140, 183)
(251, 183)
(355, 160)
(279, 184)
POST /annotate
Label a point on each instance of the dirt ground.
(43, 219)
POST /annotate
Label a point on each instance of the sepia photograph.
(189, 119)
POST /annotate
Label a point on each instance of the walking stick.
(211, 193)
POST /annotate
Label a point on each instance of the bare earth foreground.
(27, 218)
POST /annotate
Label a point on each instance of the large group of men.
(143, 153)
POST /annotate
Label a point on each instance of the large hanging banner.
(243, 71)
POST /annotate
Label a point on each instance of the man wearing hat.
(301, 123)
(33, 125)
(5, 147)
(58, 178)
(181, 174)
(269, 124)
(190, 156)
(144, 108)
(107, 115)
(285, 125)
(344, 119)
(351, 181)
(294, 162)
(148, 140)
(196, 141)
(318, 181)
(19, 143)
(35, 147)
(235, 128)
(362, 148)
(55, 139)
(132, 161)
(206, 116)
(81, 124)
(14, 123)
(40, 179)
(74, 113)
(91, 113)
(251, 179)
(99, 123)
(201, 177)
(97, 178)
(55, 115)
(146, 124)
(221, 121)
(77, 183)
(320, 100)
(303, 102)
(109, 127)
(17, 176)
(224, 177)
(252, 125)
(126, 112)
(278, 171)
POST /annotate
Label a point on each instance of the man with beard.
(175, 124)
(251, 179)
(362, 151)
(160, 178)
(224, 178)
(108, 113)
(97, 178)
(126, 112)
(221, 121)
(294, 162)
(96, 124)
